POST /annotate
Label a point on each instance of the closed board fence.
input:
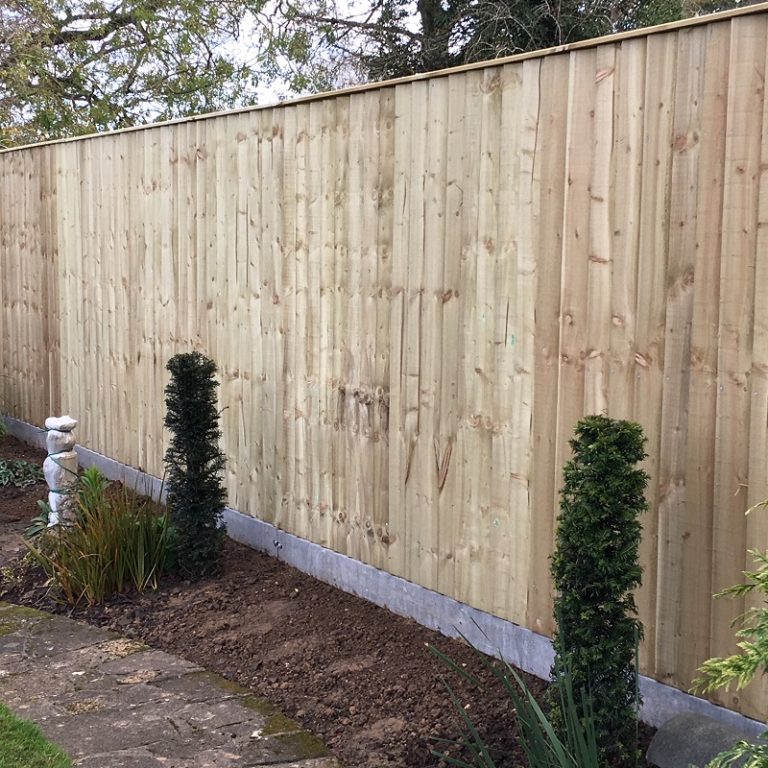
(413, 292)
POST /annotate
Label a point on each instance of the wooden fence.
(415, 290)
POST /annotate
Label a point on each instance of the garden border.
(519, 646)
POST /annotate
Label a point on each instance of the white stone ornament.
(60, 466)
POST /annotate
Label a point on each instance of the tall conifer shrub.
(595, 570)
(194, 464)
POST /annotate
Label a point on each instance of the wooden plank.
(135, 413)
(369, 444)
(288, 383)
(231, 306)
(327, 383)
(423, 490)
(739, 225)
(340, 471)
(419, 530)
(530, 207)
(627, 175)
(52, 288)
(672, 487)
(316, 351)
(272, 403)
(352, 348)
(384, 248)
(696, 589)
(401, 429)
(485, 465)
(256, 297)
(650, 325)
(599, 238)
(466, 453)
(302, 413)
(753, 698)
(504, 525)
(452, 342)
(580, 132)
(550, 180)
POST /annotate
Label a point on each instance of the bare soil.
(357, 675)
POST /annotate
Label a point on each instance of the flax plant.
(116, 541)
(543, 746)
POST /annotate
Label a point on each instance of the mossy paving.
(16, 617)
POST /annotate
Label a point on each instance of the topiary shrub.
(595, 568)
(194, 464)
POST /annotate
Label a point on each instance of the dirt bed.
(357, 675)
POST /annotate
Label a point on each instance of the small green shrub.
(752, 659)
(595, 569)
(3, 428)
(91, 492)
(194, 463)
(19, 473)
(116, 540)
(542, 745)
(39, 523)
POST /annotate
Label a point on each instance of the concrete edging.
(519, 646)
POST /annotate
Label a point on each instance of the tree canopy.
(392, 38)
(75, 66)
(69, 67)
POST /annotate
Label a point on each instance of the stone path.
(115, 703)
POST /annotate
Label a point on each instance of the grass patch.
(22, 745)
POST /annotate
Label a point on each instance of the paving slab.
(110, 702)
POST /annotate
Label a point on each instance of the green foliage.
(744, 754)
(542, 745)
(19, 473)
(70, 67)
(595, 568)
(392, 38)
(22, 745)
(3, 428)
(194, 463)
(117, 540)
(752, 659)
(91, 491)
(39, 523)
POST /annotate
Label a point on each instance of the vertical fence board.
(550, 180)
(737, 292)
(697, 588)
(651, 287)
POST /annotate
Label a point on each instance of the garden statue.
(60, 466)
